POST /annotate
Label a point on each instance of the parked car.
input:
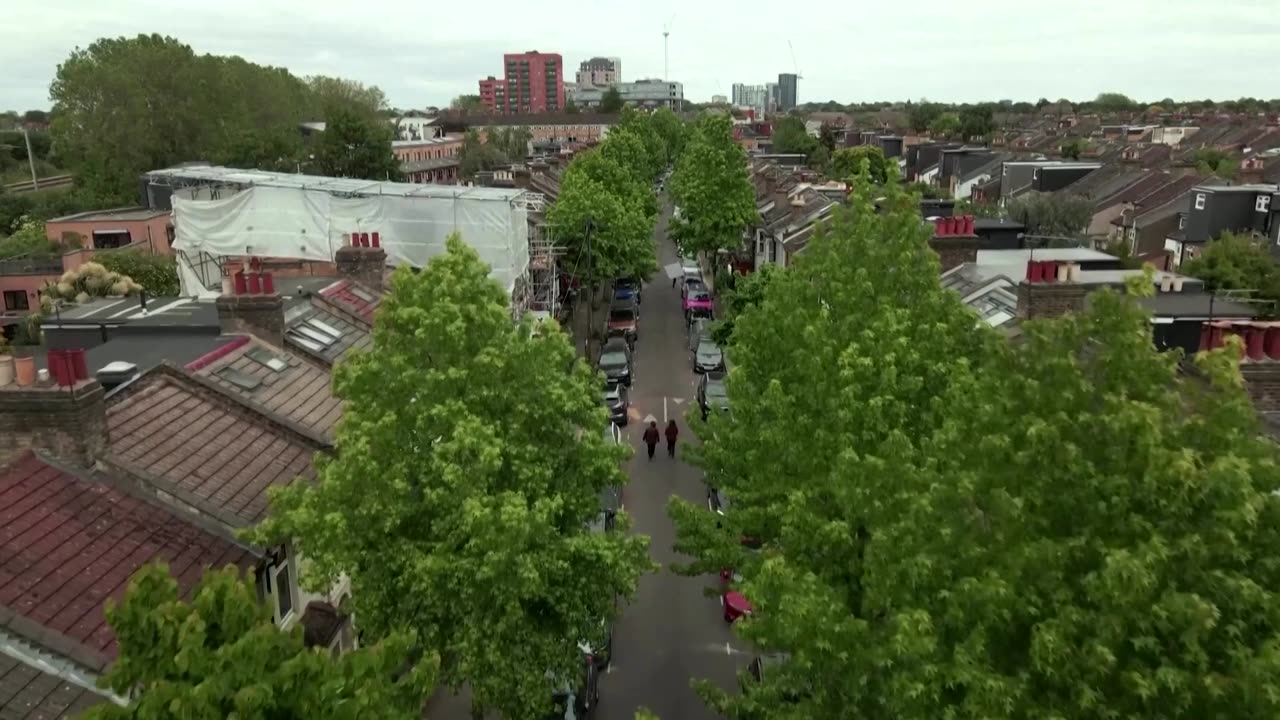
(712, 393)
(691, 284)
(615, 362)
(576, 699)
(690, 267)
(624, 320)
(707, 357)
(618, 400)
(698, 329)
(699, 304)
(735, 604)
(626, 288)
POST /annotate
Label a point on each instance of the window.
(314, 335)
(1263, 203)
(107, 239)
(267, 358)
(1133, 232)
(1182, 221)
(241, 380)
(282, 587)
(1199, 201)
(16, 300)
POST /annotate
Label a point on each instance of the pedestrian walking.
(672, 433)
(651, 436)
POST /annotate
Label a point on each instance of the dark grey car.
(615, 362)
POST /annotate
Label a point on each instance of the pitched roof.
(277, 381)
(70, 542)
(353, 299)
(185, 436)
(26, 692)
(1150, 203)
(320, 315)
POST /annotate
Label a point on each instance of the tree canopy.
(219, 655)
(847, 163)
(472, 459)
(944, 125)
(611, 101)
(467, 103)
(356, 147)
(106, 125)
(711, 186)
(1237, 262)
(1057, 214)
(790, 136)
(1104, 546)
(922, 114)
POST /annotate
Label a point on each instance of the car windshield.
(694, 284)
(622, 314)
(716, 391)
(701, 297)
(613, 358)
(708, 348)
(612, 394)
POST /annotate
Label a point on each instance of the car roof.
(614, 343)
(716, 376)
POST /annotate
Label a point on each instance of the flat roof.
(1249, 188)
(214, 174)
(124, 213)
(1018, 257)
(425, 141)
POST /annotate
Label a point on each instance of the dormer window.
(1200, 199)
(1263, 203)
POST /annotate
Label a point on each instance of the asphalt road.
(671, 631)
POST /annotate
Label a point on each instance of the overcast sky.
(424, 53)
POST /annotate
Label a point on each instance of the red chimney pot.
(255, 285)
(1254, 346)
(939, 229)
(1205, 337)
(376, 240)
(79, 364)
(240, 283)
(268, 284)
(968, 224)
(1273, 342)
(1216, 337)
(59, 368)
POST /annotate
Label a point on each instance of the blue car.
(626, 289)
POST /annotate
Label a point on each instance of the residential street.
(671, 632)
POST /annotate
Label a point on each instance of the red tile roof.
(205, 447)
(354, 299)
(68, 543)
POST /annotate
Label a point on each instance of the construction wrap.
(311, 224)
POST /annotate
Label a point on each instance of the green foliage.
(953, 526)
(156, 274)
(467, 104)
(473, 455)
(927, 191)
(671, 129)
(355, 147)
(1119, 248)
(478, 155)
(107, 128)
(1212, 161)
(29, 240)
(220, 656)
(90, 280)
(1114, 102)
(1071, 149)
(605, 229)
(1237, 262)
(922, 114)
(847, 163)
(611, 101)
(511, 142)
(747, 293)
(976, 122)
(790, 136)
(40, 205)
(827, 137)
(711, 185)
(1057, 214)
(945, 125)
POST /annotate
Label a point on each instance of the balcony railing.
(48, 265)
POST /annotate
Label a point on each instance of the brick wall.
(364, 265)
(954, 251)
(259, 315)
(69, 423)
(1039, 300)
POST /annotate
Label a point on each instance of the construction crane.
(666, 63)
(794, 64)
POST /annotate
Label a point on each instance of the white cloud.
(424, 53)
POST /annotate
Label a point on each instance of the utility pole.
(591, 295)
(31, 160)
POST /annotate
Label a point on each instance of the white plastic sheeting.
(310, 224)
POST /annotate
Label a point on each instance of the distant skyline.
(425, 55)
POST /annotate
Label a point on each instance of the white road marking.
(677, 400)
(728, 649)
(664, 410)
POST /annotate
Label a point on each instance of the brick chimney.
(253, 307)
(1050, 289)
(799, 208)
(955, 241)
(64, 415)
(520, 176)
(781, 199)
(365, 261)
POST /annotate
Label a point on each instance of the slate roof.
(28, 693)
(220, 455)
(353, 333)
(1150, 203)
(277, 381)
(353, 299)
(71, 542)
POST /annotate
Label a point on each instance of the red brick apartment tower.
(493, 94)
(534, 82)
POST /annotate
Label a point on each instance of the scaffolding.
(543, 286)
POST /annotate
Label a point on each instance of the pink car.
(698, 302)
(735, 603)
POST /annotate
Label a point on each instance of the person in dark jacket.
(651, 436)
(672, 433)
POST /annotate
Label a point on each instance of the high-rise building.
(648, 93)
(493, 94)
(738, 94)
(771, 97)
(787, 83)
(600, 72)
(532, 82)
(750, 96)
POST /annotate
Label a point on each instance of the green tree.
(847, 163)
(571, 107)
(827, 137)
(945, 125)
(747, 293)
(331, 95)
(1237, 262)
(1071, 149)
(976, 122)
(1212, 161)
(824, 325)
(354, 147)
(446, 508)
(712, 188)
(1114, 102)
(611, 101)
(1057, 214)
(467, 104)
(927, 191)
(605, 232)
(671, 129)
(27, 240)
(220, 655)
(157, 274)
(478, 155)
(790, 136)
(922, 114)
